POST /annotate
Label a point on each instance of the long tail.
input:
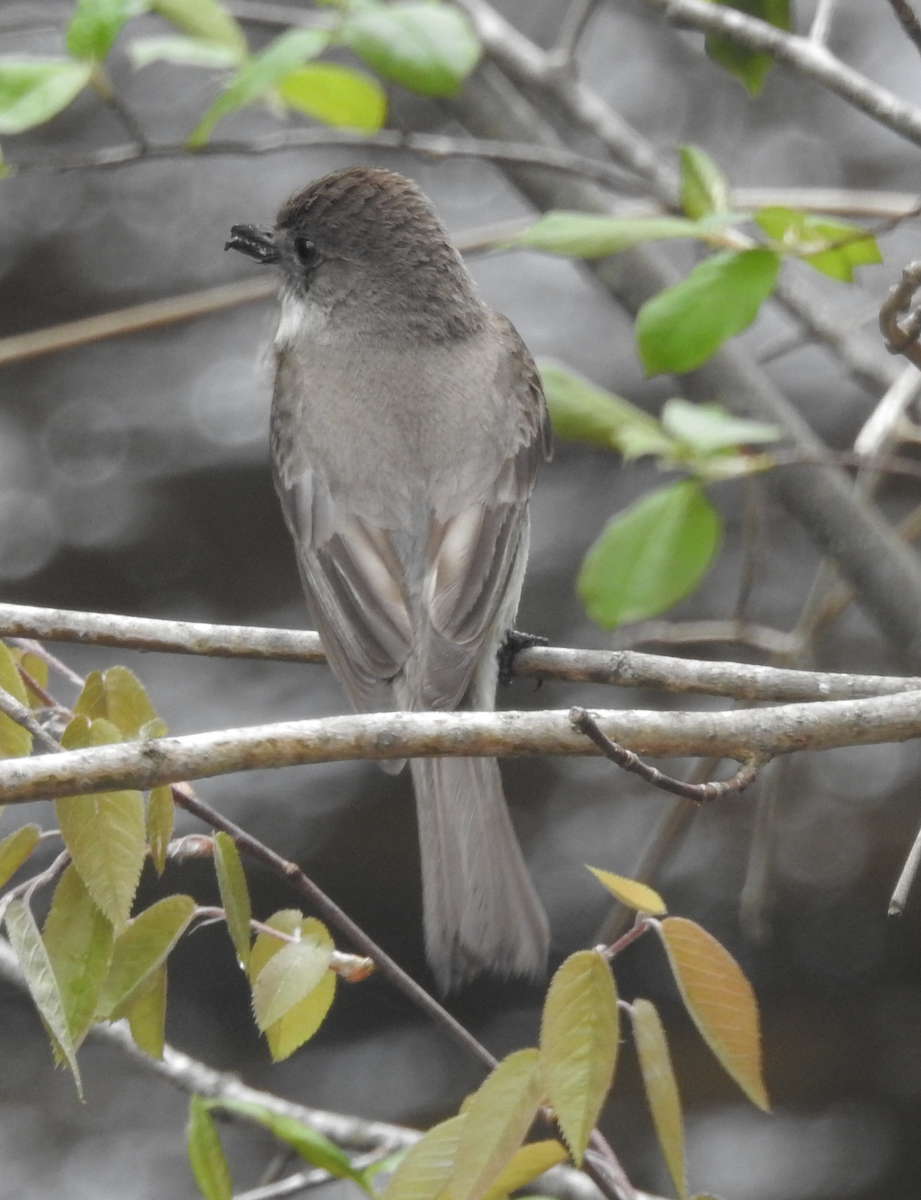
(480, 908)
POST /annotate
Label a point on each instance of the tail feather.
(480, 909)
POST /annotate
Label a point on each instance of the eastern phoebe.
(407, 424)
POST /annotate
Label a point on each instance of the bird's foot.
(514, 642)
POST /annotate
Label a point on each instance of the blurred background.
(134, 479)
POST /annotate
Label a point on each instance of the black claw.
(516, 641)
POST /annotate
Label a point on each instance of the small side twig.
(908, 20)
(902, 336)
(906, 879)
(699, 792)
(20, 714)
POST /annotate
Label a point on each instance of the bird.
(407, 424)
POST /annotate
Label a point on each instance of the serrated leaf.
(234, 894)
(584, 236)
(40, 980)
(680, 328)
(426, 47)
(182, 51)
(160, 819)
(34, 89)
(427, 1166)
(720, 1001)
(496, 1119)
(96, 24)
(104, 831)
(830, 245)
(34, 667)
(312, 1146)
(301, 1021)
(78, 939)
(526, 1164)
(631, 892)
(260, 74)
(749, 66)
(15, 742)
(336, 96)
(207, 20)
(119, 697)
(16, 848)
(582, 412)
(146, 1014)
(140, 950)
(579, 1035)
(206, 1155)
(661, 1089)
(290, 975)
(708, 428)
(704, 187)
(650, 556)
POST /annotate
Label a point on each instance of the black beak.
(254, 241)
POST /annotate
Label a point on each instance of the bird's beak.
(254, 241)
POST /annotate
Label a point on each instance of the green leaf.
(427, 1166)
(146, 1014)
(631, 892)
(336, 95)
(650, 556)
(426, 47)
(183, 51)
(119, 697)
(708, 428)
(78, 939)
(34, 89)
(290, 975)
(704, 187)
(719, 1000)
(578, 1044)
(749, 66)
(583, 236)
(496, 1118)
(582, 412)
(16, 848)
(680, 328)
(39, 976)
(302, 1020)
(96, 24)
(526, 1164)
(161, 814)
(661, 1089)
(260, 75)
(5, 168)
(15, 742)
(104, 831)
(206, 20)
(140, 950)
(234, 894)
(313, 1146)
(206, 1155)
(36, 668)
(832, 246)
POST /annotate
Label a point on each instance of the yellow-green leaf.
(208, 20)
(720, 1001)
(140, 950)
(119, 696)
(35, 88)
(630, 892)
(661, 1089)
(15, 742)
(104, 831)
(526, 1164)
(578, 1044)
(78, 938)
(704, 187)
(336, 95)
(161, 814)
(289, 975)
(40, 980)
(206, 1155)
(37, 669)
(496, 1119)
(234, 894)
(427, 1167)
(146, 1014)
(16, 848)
(304, 1018)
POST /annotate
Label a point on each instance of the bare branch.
(908, 20)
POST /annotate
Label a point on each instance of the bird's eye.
(306, 251)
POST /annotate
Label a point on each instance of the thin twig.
(821, 22)
(23, 717)
(909, 21)
(628, 761)
(575, 19)
(902, 336)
